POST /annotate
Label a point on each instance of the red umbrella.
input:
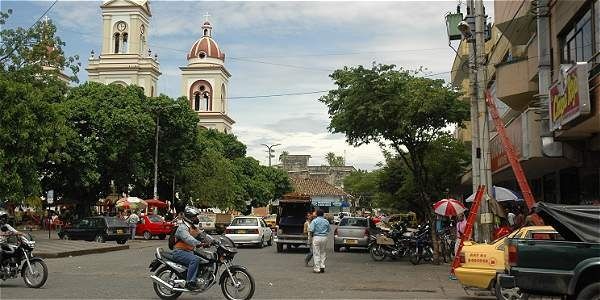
(156, 203)
(448, 207)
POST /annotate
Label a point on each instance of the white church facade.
(126, 59)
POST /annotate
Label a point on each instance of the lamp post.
(158, 111)
(269, 147)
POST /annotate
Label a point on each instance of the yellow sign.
(569, 97)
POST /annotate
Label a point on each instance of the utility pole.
(484, 136)
(475, 150)
(158, 111)
(270, 151)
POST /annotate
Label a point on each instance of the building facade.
(298, 166)
(543, 71)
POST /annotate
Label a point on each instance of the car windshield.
(360, 222)
(113, 222)
(155, 218)
(244, 222)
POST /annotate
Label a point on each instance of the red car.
(153, 225)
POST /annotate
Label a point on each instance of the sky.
(274, 48)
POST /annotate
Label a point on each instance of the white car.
(249, 231)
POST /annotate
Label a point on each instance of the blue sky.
(274, 48)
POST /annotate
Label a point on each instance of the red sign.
(569, 97)
(514, 130)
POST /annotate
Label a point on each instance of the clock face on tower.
(121, 26)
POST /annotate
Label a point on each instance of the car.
(207, 222)
(99, 229)
(249, 231)
(480, 263)
(152, 225)
(351, 232)
(338, 217)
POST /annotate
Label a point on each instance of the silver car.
(249, 231)
(351, 232)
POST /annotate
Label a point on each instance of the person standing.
(461, 226)
(319, 229)
(133, 219)
(309, 255)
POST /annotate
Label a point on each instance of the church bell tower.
(205, 81)
(125, 57)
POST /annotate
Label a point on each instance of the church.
(125, 59)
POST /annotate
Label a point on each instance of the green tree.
(397, 109)
(284, 154)
(31, 128)
(334, 160)
(364, 187)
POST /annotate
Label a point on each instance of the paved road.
(124, 275)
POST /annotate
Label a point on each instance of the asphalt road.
(124, 275)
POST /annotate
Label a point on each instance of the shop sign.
(569, 96)
(514, 131)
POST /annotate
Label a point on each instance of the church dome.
(205, 46)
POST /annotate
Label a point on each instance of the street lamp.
(158, 111)
(270, 150)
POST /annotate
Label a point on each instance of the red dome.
(205, 47)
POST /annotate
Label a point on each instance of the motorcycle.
(170, 276)
(17, 260)
(421, 248)
(393, 244)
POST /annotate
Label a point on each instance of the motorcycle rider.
(190, 236)
(5, 231)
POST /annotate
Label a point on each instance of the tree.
(397, 109)
(31, 128)
(334, 160)
(284, 154)
(363, 186)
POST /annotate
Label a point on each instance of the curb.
(80, 252)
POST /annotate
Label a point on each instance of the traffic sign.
(50, 196)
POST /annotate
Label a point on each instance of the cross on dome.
(206, 16)
(206, 26)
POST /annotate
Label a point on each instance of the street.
(124, 275)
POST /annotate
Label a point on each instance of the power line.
(280, 95)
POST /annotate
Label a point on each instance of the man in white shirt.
(133, 219)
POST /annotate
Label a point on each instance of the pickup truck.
(569, 266)
(290, 221)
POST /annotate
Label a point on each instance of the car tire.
(270, 242)
(147, 235)
(591, 291)
(121, 242)
(336, 248)
(99, 239)
(509, 294)
(262, 243)
(279, 247)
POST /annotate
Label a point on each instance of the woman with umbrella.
(449, 208)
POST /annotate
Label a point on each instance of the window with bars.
(582, 40)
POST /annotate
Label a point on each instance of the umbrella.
(131, 203)
(156, 203)
(448, 207)
(501, 194)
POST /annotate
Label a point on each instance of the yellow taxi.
(481, 262)
(271, 220)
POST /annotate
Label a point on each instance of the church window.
(117, 38)
(205, 31)
(202, 88)
(202, 55)
(125, 42)
(223, 98)
(197, 102)
(206, 105)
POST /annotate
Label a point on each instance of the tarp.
(573, 222)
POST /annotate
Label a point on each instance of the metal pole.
(156, 156)
(484, 136)
(475, 150)
(269, 151)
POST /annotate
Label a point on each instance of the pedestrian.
(461, 225)
(309, 255)
(132, 220)
(319, 229)
(510, 216)
(520, 218)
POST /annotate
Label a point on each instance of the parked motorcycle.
(393, 244)
(170, 276)
(18, 260)
(421, 248)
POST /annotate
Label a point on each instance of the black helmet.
(190, 214)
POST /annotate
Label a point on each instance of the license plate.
(351, 242)
(119, 231)
(241, 231)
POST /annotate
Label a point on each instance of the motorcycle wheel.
(39, 276)
(244, 289)
(166, 275)
(376, 253)
(415, 258)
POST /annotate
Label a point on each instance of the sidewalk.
(55, 247)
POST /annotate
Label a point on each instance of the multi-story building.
(298, 166)
(543, 68)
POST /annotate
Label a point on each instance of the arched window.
(125, 43)
(206, 105)
(223, 98)
(152, 91)
(205, 32)
(197, 102)
(117, 38)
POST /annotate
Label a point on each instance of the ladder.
(469, 228)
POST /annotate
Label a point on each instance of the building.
(126, 59)
(543, 70)
(205, 81)
(298, 166)
(323, 195)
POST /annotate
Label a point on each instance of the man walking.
(133, 219)
(309, 255)
(319, 229)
